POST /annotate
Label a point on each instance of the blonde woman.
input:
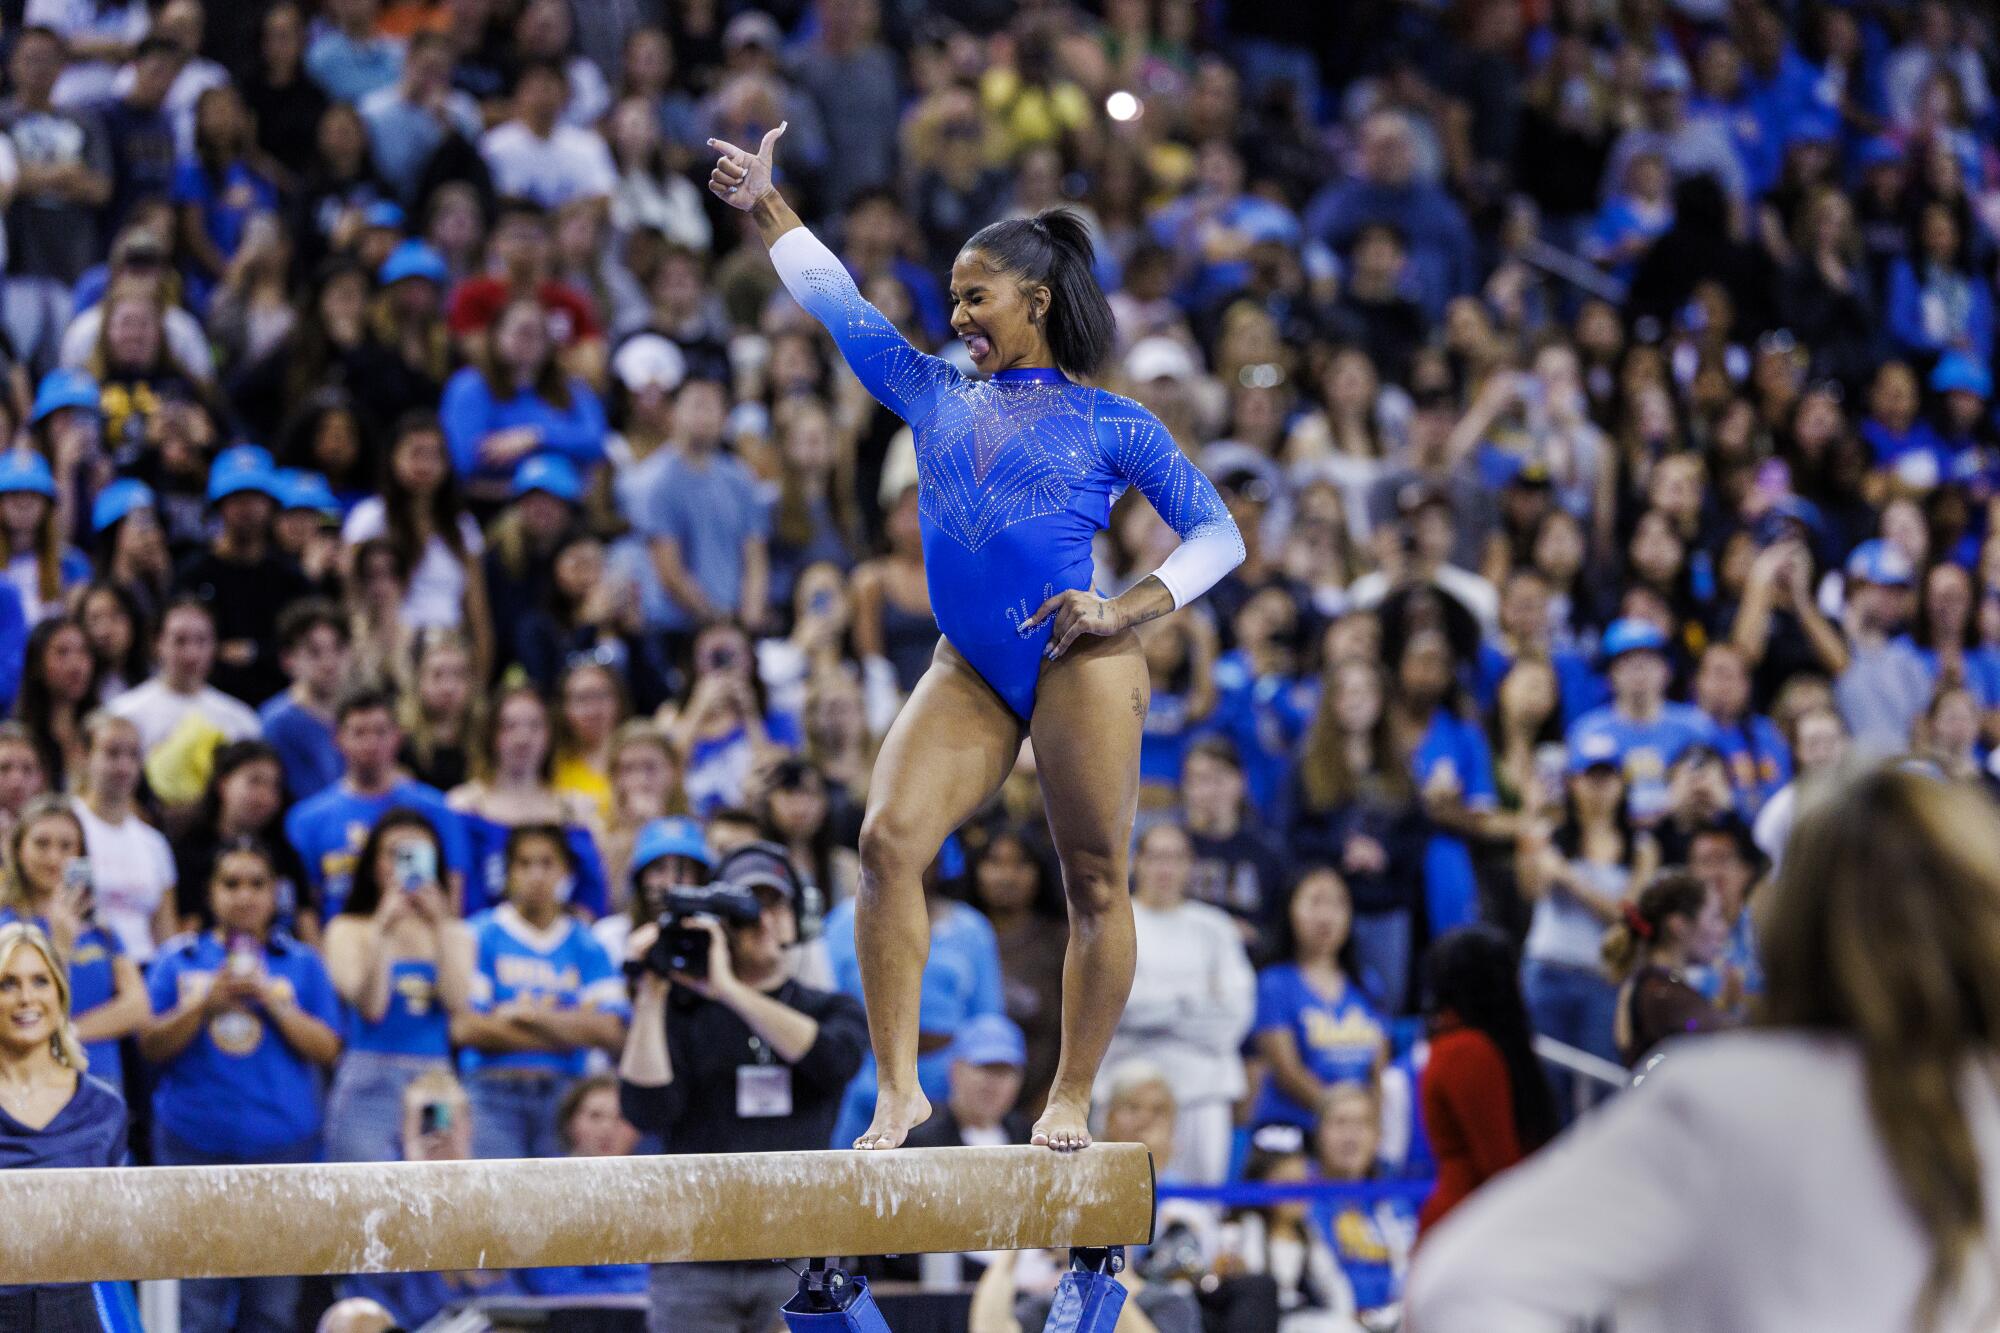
(52, 1113)
(1836, 1167)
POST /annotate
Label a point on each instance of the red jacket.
(1468, 1102)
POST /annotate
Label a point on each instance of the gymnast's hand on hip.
(1077, 612)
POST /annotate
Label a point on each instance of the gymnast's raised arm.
(902, 379)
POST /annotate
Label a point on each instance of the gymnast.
(1016, 476)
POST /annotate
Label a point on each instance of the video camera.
(681, 945)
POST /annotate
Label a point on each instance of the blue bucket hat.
(1881, 563)
(382, 213)
(413, 259)
(299, 489)
(676, 835)
(64, 388)
(549, 473)
(247, 467)
(118, 502)
(1632, 635)
(26, 470)
(990, 1039)
(1958, 373)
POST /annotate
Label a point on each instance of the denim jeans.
(718, 1298)
(1575, 1005)
(1382, 958)
(235, 1305)
(364, 1108)
(516, 1117)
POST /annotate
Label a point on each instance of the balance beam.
(135, 1223)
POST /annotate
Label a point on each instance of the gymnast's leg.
(950, 748)
(1090, 708)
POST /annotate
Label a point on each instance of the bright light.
(1121, 105)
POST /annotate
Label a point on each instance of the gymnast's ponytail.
(1053, 249)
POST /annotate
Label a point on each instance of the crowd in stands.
(429, 535)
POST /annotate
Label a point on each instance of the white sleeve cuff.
(1199, 563)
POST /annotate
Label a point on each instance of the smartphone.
(434, 1118)
(76, 878)
(416, 865)
(821, 602)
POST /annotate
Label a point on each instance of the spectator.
(591, 705)
(544, 995)
(1453, 775)
(1884, 687)
(725, 726)
(245, 799)
(410, 122)
(329, 830)
(669, 853)
(1315, 1027)
(1386, 188)
(1724, 857)
(1014, 887)
(1935, 44)
(1639, 213)
(131, 866)
(516, 405)
(893, 625)
(244, 581)
(1578, 874)
(592, 1125)
(1690, 145)
(1642, 732)
(1675, 922)
(21, 775)
(982, 1108)
(47, 885)
(313, 649)
(1484, 1100)
(645, 786)
(1193, 999)
(244, 1021)
(177, 709)
(138, 130)
(431, 1121)
(285, 104)
(706, 526)
(57, 679)
(853, 78)
(52, 235)
(403, 963)
(650, 194)
(519, 268)
(40, 566)
(441, 712)
(1937, 301)
(43, 1063)
(741, 1059)
(1371, 1241)
(536, 156)
(520, 563)
(226, 205)
(348, 58)
(1748, 743)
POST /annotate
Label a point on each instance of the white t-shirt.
(132, 871)
(571, 163)
(436, 599)
(158, 711)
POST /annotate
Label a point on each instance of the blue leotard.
(1015, 477)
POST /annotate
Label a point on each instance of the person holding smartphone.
(47, 883)
(402, 962)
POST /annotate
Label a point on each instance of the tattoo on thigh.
(1138, 702)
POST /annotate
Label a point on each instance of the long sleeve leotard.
(1015, 477)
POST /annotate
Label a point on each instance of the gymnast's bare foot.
(896, 1114)
(1064, 1124)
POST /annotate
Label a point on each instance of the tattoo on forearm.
(1138, 702)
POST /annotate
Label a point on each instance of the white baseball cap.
(649, 361)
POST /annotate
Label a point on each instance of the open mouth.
(26, 1019)
(979, 345)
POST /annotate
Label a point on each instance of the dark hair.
(228, 759)
(1285, 946)
(1669, 893)
(446, 509)
(299, 619)
(549, 833)
(183, 601)
(137, 662)
(1472, 973)
(364, 893)
(1053, 248)
(365, 698)
(1048, 898)
(34, 704)
(254, 846)
(573, 1100)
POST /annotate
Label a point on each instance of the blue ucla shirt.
(1371, 1243)
(1015, 476)
(1264, 717)
(1758, 760)
(1982, 670)
(304, 742)
(1578, 688)
(239, 1089)
(560, 967)
(1452, 744)
(329, 831)
(92, 982)
(1646, 750)
(1338, 1037)
(486, 886)
(415, 1023)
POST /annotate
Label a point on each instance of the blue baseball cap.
(26, 470)
(550, 473)
(1632, 635)
(1881, 563)
(64, 388)
(676, 835)
(382, 213)
(990, 1039)
(413, 259)
(1958, 373)
(247, 467)
(118, 502)
(1596, 749)
(300, 489)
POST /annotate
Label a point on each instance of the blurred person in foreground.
(52, 1112)
(437, 1127)
(1674, 924)
(1704, 1197)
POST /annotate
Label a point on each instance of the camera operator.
(729, 1052)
